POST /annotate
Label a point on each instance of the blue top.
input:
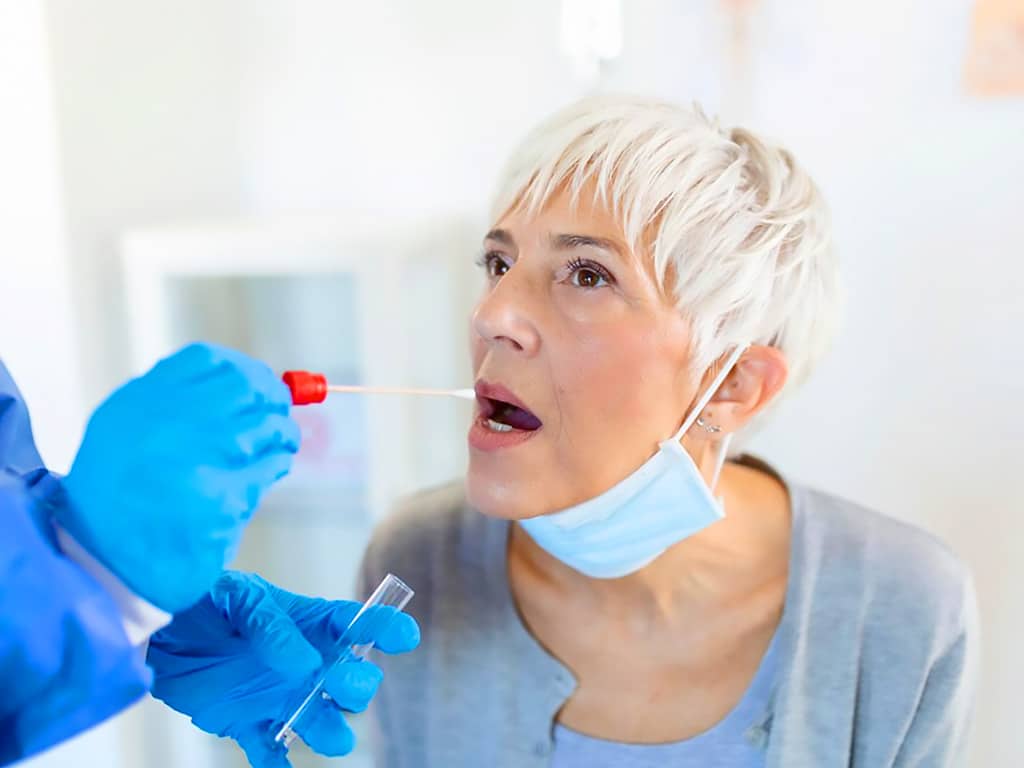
(875, 658)
(729, 744)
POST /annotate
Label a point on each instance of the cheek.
(591, 312)
(617, 388)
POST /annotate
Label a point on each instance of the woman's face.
(573, 330)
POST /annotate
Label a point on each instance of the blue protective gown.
(65, 661)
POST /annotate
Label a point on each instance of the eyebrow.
(563, 242)
(569, 241)
(500, 235)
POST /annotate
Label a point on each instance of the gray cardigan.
(875, 662)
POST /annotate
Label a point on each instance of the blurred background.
(309, 179)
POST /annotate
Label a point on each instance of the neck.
(732, 556)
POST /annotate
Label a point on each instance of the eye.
(588, 274)
(494, 264)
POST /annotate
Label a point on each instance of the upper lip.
(487, 390)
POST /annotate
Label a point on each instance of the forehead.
(566, 212)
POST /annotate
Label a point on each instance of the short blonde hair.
(735, 228)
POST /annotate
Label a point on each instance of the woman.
(602, 591)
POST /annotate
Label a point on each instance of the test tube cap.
(306, 387)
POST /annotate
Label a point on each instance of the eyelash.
(577, 265)
(488, 259)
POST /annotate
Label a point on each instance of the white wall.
(915, 413)
(193, 109)
(36, 336)
(147, 95)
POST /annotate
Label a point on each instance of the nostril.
(515, 345)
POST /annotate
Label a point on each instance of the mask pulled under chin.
(632, 523)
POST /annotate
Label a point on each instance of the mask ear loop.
(704, 399)
(723, 454)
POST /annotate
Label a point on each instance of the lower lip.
(484, 439)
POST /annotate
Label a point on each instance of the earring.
(710, 428)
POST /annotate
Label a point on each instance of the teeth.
(497, 426)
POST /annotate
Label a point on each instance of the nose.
(503, 317)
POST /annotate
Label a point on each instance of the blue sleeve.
(65, 661)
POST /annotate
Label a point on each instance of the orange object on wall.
(995, 57)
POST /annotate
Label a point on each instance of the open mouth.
(500, 410)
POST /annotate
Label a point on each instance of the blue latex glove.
(173, 465)
(240, 660)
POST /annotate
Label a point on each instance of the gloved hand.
(239, 661)
(173, 465)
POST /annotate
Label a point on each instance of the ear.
(752, 384)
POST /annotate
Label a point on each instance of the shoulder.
(423, 518)
(896, 575)
(426, 531)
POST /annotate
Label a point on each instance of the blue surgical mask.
(628, 526)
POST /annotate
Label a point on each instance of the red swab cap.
(306, 387)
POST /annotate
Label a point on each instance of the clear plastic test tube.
(380, 609)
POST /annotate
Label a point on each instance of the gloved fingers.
(273, 395)
(269, 391)
(261, 433)
(185, 364)
(324, 621)
(199, 360)
(246, 603)
(390, 630)
(259, 747)
(269, 468)
(245, 486)
(238, 491)
(221, 377)
(400, 636)
(353, 684)
(325, 731)
(228, 390)
(321, 621)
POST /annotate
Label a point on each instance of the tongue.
(517, 418)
